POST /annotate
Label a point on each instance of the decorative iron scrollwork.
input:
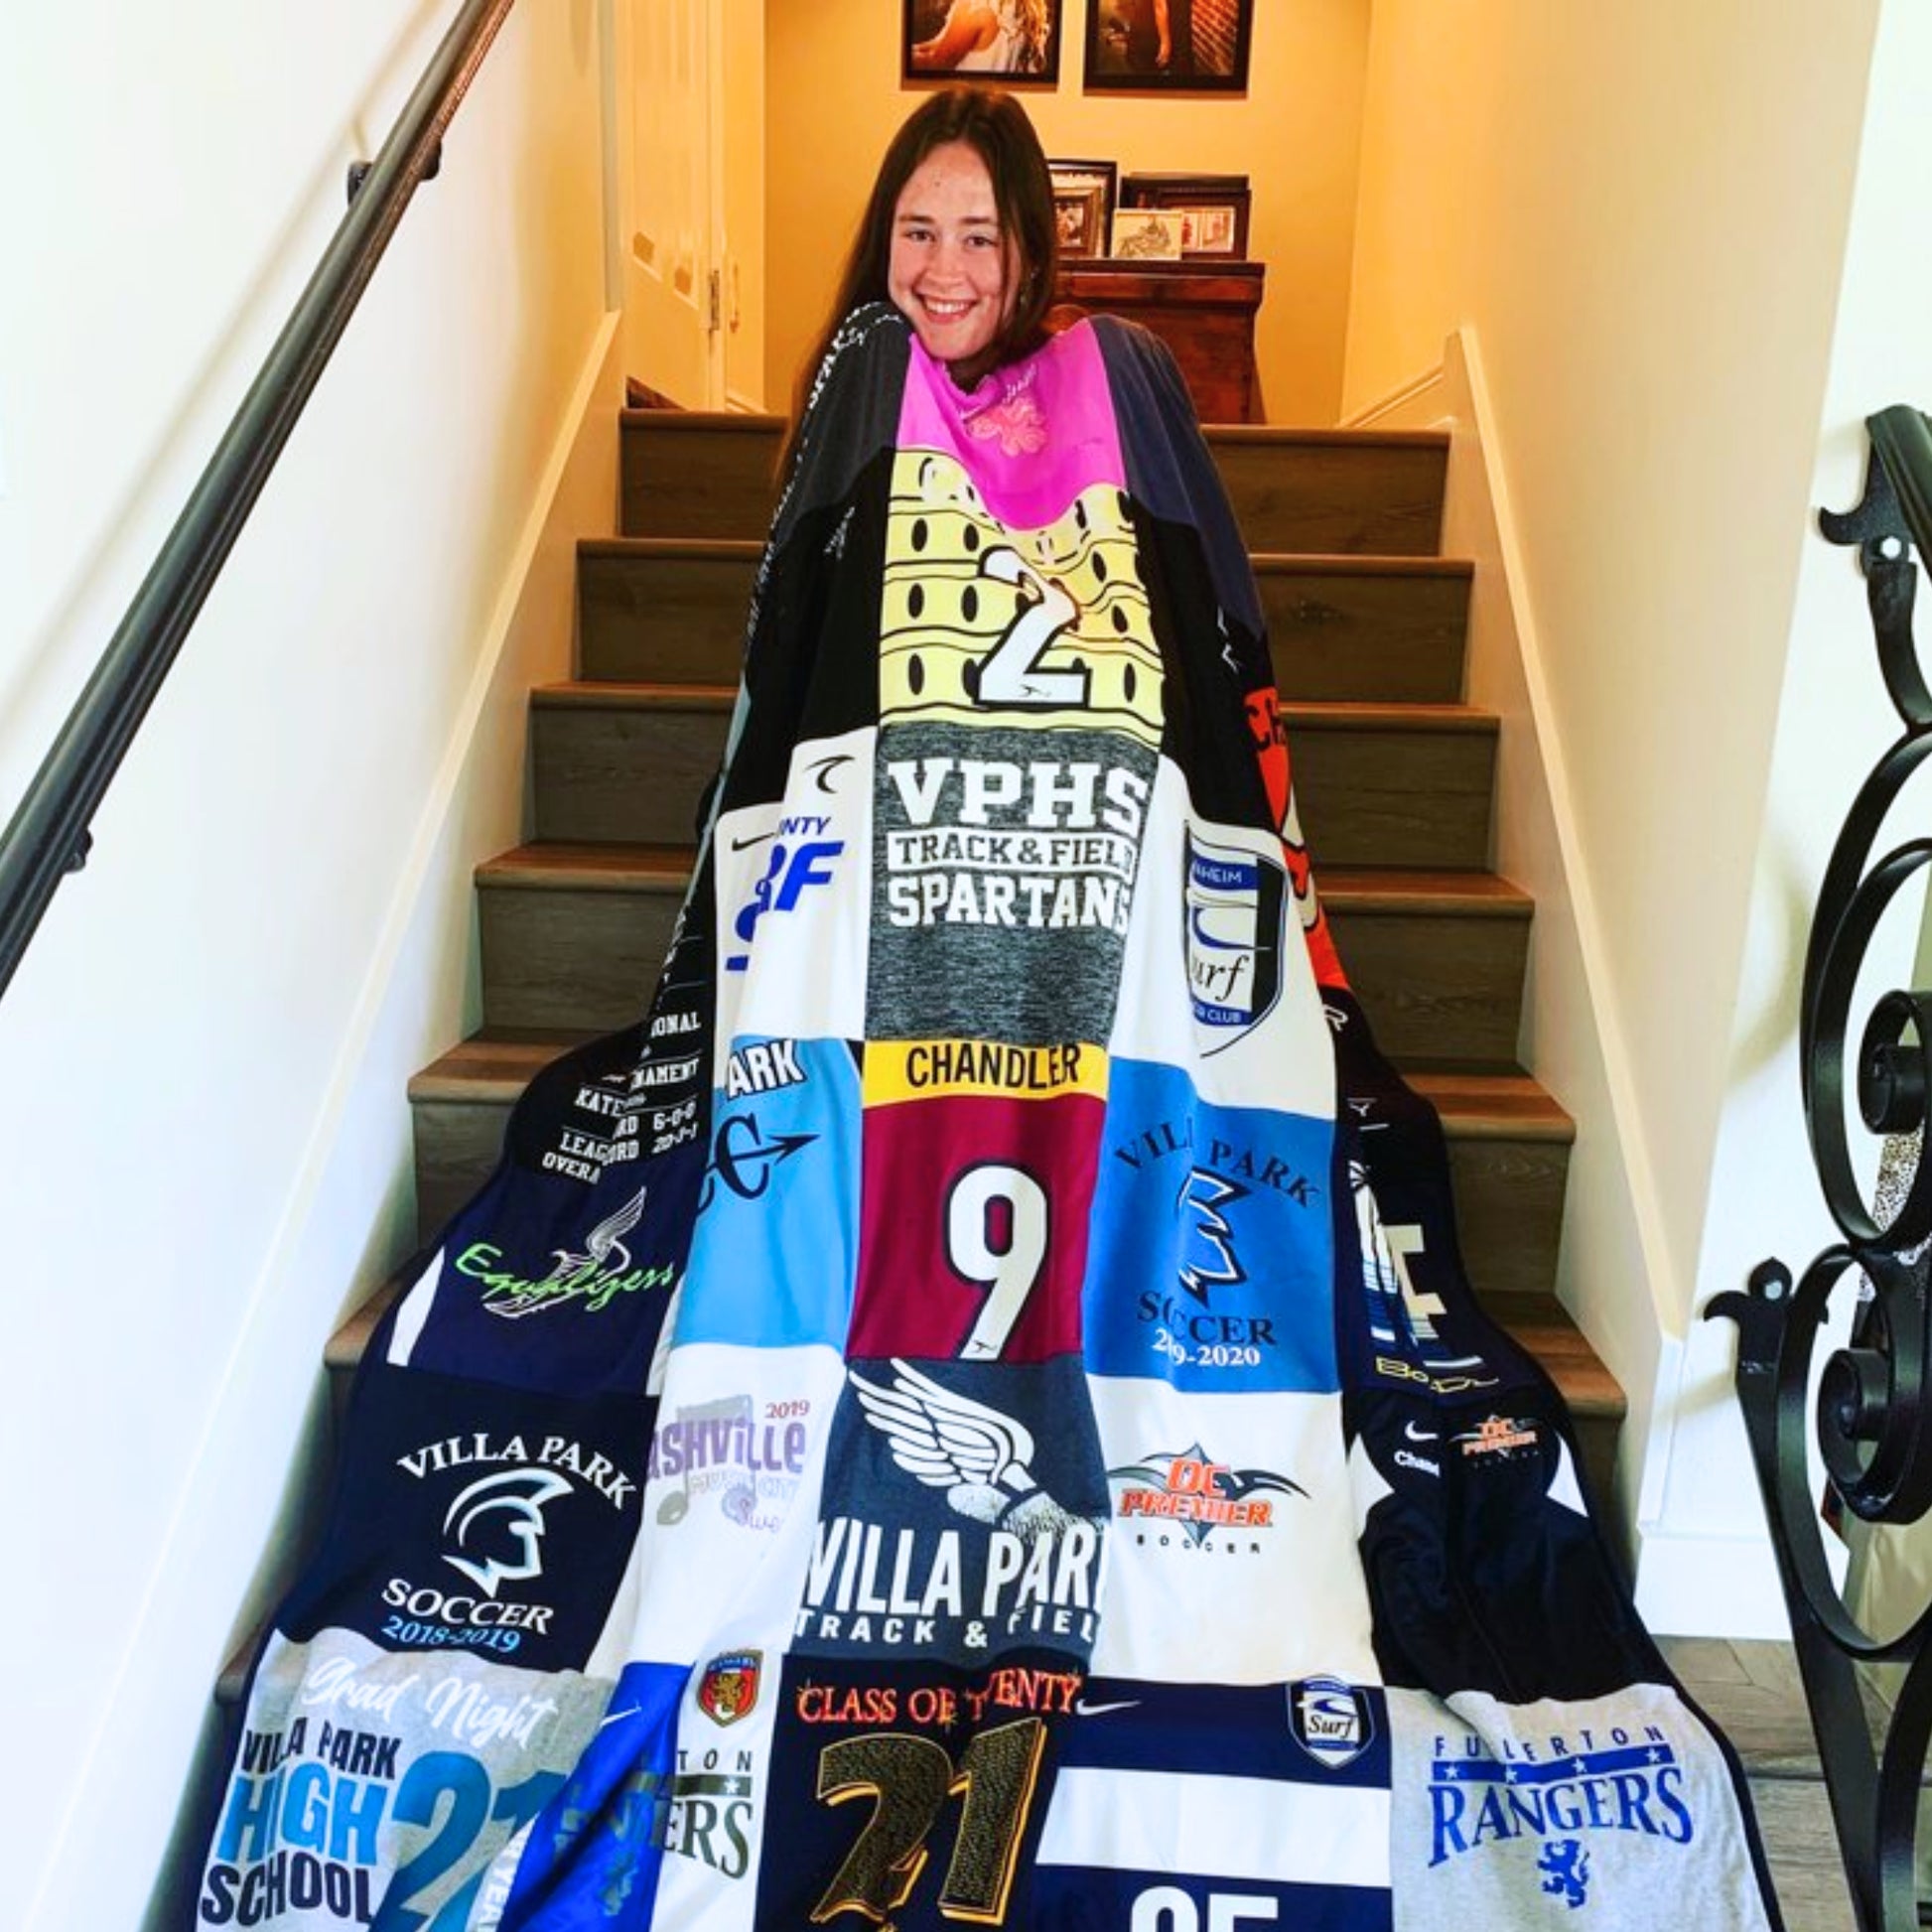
(1871, 1417)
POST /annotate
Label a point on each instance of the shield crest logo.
(729, 1688)
(1235, 901)
(1332, 1722)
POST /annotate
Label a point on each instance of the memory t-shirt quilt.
(970, 1411)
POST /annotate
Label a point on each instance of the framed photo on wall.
(1083, 205)
(1213, 211)
(1185, 45)
(1016, 42)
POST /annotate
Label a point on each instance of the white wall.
(1833, 722)
(1563, 1035)
(203, 1138)
(1640, 213)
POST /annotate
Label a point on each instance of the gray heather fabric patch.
(1005, 876)
(1534, 1814)
(349, 1751)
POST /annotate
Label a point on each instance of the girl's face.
(950, 273)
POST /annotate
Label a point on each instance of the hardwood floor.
(1751, 1691)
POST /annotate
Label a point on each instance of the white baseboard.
(1710, 1587)
(1417, 404)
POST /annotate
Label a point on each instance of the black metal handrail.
(1871, 1417)
(49, 836)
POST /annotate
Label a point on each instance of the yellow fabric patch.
(983, 624)
(925, 1069)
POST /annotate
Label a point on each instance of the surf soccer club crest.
(1235, 901)
(729, 1688)
(1332, 1722)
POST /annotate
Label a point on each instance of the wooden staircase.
(1365, 643)
(1395, 777)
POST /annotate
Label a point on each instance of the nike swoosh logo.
(1083, 1708)
(1415, 1435)
(757, 837)
(617, 1717)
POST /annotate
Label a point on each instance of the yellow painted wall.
(834, 99)
(1641, 214)
(745, 204)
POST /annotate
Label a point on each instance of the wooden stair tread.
(1271, 563)
(752, 422)
(1367, 714)
(1541, 1324)
(1373, 890)
(492, 1068)
(1247, 435)
(560, 866)
(554, 864)
(1310, 715)
(703, 550)
(1492, 1106)
(612, 694)
(1354, 562)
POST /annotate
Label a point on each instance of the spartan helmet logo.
(1235, 901)
(504, 1510)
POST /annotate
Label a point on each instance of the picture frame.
(1010, 42)
(1084, 193)
(1214, 209)
(1206, 45)
(1146, 234)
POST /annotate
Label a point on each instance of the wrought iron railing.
(47, 836)
(1872, 1409)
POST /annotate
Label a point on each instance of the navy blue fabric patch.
(958, 1765)
(963, 1514)
(477, 1518)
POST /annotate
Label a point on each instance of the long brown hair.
(996, 127)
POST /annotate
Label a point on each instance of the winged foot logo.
(1000, 1559)
(594, 1275)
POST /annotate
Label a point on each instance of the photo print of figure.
(1018, 40)
(1192, 44)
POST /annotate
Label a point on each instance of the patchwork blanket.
(970, 1411)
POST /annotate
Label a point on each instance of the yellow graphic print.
(983, 624)
(925, 1069)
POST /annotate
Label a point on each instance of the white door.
(674, 256)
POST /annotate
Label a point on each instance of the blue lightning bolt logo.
(1207, 1258)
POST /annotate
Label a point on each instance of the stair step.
(624, 761)
(665, 608)
(1354, 491)
(1380, 784)
(1376, 628)
(1508, 1150)
(574, 936)
(1383, 628)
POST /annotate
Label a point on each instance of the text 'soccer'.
(970, 1412)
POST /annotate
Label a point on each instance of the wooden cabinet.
(1205, 311)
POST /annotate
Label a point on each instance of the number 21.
(912, 1778)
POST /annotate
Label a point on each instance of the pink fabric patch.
(1032, 436)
